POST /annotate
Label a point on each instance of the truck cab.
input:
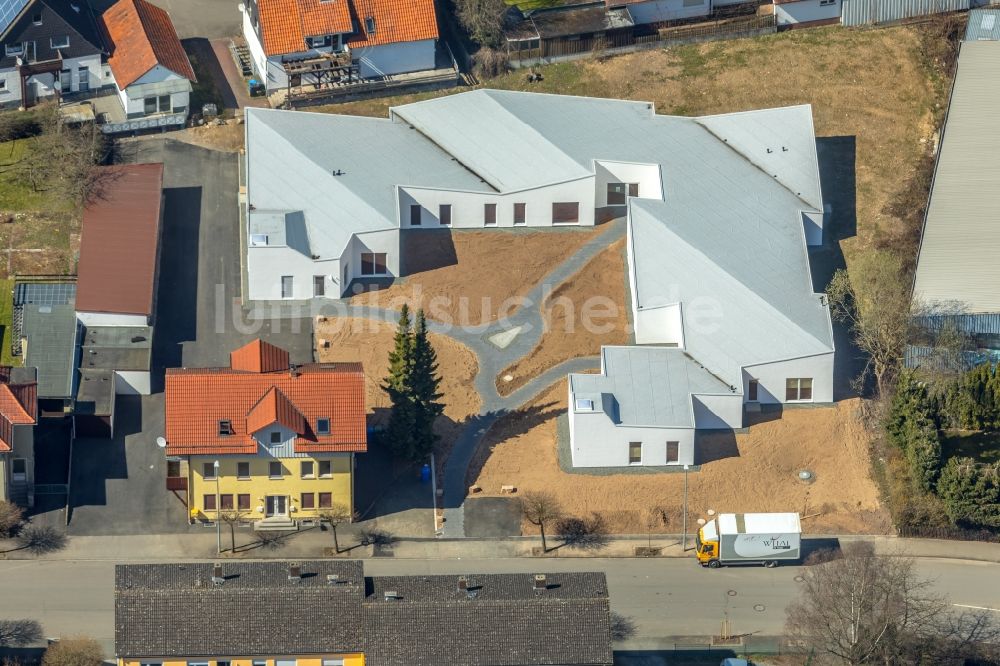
(707, 546)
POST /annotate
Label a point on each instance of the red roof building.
(18, 406)
(215, 411)
(141, 37)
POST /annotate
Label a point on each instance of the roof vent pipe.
(217, 576)
(294, 572)
(539, 582)
(463, 584)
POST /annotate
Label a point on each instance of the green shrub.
(971, 492)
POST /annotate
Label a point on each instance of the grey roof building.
(984, 25)
(330, 608)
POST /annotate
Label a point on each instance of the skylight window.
(584, 405)
(258, 239)
(370, 25)
(225, 427)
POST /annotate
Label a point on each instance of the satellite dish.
(161, 442)
(701, 521)
(711, 512)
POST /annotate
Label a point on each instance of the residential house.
(50, 48)
(334, 615)
(47, 337)
(18, 416)
(264, 436)
(955, 283)
(356, 38)
(572, 27)
(152, 73)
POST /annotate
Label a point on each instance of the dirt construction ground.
(352, 339)
(584, 312)
(750, 472)
(469, 277)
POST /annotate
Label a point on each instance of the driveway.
(117, 485)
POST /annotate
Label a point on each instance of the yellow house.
(264, 439)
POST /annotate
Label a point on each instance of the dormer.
(274, 420)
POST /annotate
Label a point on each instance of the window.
(173, 468)
(319, 42)
(13, 49)
(519, 217)
(243, 501)
(798, 389)
(308, 469)
(3, 84)
(208, 471)
(752, 390)
(150, 105)
(565, 213)
(325, 500)
(444, 214)
(276, 437)
(222, 663)
(225, 427)
(208, 501)
(274, 469)
(258, 239)
(333, 662)
(287, 283)
(59, 42)
(635, 453)
(490, 214)
(226, 502)
(373, 263)
(66, 80)
(242, 470)
(827, 3)
(616, 194)
(584, 405)
(83, 74)
(37, 18)
(415, 215)
(633, 189)
(370, 25)
(319, 285)
(322, 426)
(325, 469)
(308, 501)
(673, 452)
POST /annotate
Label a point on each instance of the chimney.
(333, 579)
(294, 572)
(392, 595)
(293, 370)
(539, 582)
(463, 584)
(217, 576)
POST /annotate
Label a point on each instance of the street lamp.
(684, 547)
(218, 508)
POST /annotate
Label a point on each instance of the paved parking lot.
(118, 485)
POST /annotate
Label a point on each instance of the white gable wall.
(601, 443)
(718, 412)
(771, 378)
(267, 264)
(646, 175)
(180, 91)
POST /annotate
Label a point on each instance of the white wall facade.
(718, 412)
(655, 11)
(266, 265)
(659, 325)
(806, 11)
(647, 176)
(813, 225)
(771, 378)
(111, 319)
(133, 98)
(597, 442)
(386, 241)
(132, 382)
(45, 85)
(468, 208)
(398, 58)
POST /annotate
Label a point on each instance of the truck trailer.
(749, 538)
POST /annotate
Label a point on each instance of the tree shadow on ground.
(509, 424)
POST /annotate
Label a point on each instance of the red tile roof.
(120, 242)
(395, 21)
(18, 406)
(198, 399)
(285, 24)
(141, 36)
(259, 356)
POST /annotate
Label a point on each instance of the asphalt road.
(665, 598)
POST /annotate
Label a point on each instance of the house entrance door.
(276, 505)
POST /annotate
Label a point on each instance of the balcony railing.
(177, 483)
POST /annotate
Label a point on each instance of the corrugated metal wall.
(868, 12)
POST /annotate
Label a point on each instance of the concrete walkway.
(491, 358)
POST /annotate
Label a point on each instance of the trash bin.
(425, 473)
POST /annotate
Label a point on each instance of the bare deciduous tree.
(656, 518)
(74, 651)
(869, 609)
(873, 299)
(540, 508)
(335, 516)
(483, 19)
(17, 633)
(11, 517)
(232, 518)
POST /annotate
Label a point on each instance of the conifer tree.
(402, 415)
(424, 389)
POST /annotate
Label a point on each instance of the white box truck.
(749, 538)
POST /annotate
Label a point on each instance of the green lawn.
(6, 319)
(981, 446)
(15, 192)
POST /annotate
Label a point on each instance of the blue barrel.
(425, 473)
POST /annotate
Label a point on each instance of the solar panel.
(9, 9)
(44, 293)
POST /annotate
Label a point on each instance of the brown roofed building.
(284, 435)
(18, 416)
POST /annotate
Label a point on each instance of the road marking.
(985, 608)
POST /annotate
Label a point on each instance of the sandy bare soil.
(228, 138)
(353, 339)
(584, 312)
(466, 277)
(750, 472)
